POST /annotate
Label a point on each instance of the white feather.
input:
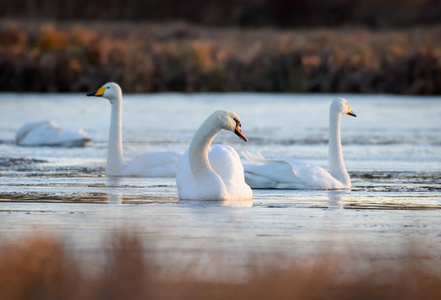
(49, 133)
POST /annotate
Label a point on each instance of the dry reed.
(78, 57)
(42, 269)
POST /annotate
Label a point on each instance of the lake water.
(392, 151)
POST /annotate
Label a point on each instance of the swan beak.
(239, 133)
(351, 114)
(98, 93)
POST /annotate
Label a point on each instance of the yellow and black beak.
(98, 93)
(350, 112)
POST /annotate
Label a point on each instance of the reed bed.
(146, 58)
(41, 268)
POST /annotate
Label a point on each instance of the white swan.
(49, 133)
(153, 164)
(296, 174)
(215, 173)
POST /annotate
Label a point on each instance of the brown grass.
(78, 57)
(42, 269)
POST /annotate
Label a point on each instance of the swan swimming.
(215, 173)
(152, 164)
(297, 174)
(49, 133)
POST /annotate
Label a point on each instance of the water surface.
(392, 151)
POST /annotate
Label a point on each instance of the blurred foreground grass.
(79, 57)
(41, 268)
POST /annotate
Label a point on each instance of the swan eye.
(237, 122)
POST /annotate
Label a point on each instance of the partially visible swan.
(296, 174)
(214, 173)
(49, 133)
(152, 164)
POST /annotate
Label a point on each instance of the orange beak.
(239, 133)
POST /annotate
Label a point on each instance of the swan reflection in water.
(113, 197)
(217, 203)
(335, 199)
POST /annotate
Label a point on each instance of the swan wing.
(287, 174)
(185, 181)
(49, 133)
(314, 177)
(225, 162)
(153, 164)
(23, 131)
(272, 175)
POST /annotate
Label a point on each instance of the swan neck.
(115, 149)
(199, 147)
(336, 163)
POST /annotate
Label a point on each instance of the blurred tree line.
(243, 13)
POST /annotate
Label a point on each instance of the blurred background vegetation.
(243, 13)
(342, 46)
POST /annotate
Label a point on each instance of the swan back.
(49, 133)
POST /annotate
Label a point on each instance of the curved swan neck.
(336, 164)
(115, 149)
(200, 144)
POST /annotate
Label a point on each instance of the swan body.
(297, 174)
(49, 133)
(152, 164)
(213, 173)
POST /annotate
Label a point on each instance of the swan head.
(111, 91)
(341, 106)
(230, 121)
